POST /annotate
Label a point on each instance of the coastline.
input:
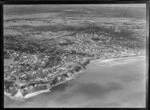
(67, 79)
(12, 97)
(30, 95)
(35, 93)
(27, 96)
(118, 58)
(48, 90)
(46, 99)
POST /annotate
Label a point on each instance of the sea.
(107, 84)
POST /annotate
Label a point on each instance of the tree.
(54, 81)
(77, 68)
(8, 84)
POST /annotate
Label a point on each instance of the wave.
(115, 61)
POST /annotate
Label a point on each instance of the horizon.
(103, 5)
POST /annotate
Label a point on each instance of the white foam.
(36, 93)
(118, 61)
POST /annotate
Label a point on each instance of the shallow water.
(117, 83)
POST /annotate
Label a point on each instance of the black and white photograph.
(75, 55)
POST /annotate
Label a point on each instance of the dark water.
(120, 83)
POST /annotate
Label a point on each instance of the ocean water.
(111, 83)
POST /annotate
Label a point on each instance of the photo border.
(35, 2)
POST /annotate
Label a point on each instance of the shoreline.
(48, 90)
(35, 93)
(30, 95)
(118, 58)
(12, 97)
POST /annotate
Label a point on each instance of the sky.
(104, 5)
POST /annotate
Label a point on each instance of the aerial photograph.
(75, 56)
